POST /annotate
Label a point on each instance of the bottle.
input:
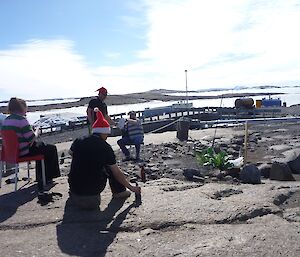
(143, 174)
(138, 197)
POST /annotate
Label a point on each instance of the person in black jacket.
(99, 103)
(93, 163)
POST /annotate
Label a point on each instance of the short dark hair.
(132, 112)
(16, 105)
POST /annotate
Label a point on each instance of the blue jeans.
(136, 141)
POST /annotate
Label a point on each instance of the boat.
(58, 121)
(180, 106)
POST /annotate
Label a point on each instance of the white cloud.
(44, 69)
(220, 43)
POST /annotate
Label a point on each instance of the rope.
(165, 126)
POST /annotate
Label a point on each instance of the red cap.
(102, 90)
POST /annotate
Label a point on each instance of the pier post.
(183, 125)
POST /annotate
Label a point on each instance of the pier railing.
(198, 114)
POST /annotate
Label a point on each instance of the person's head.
(17, 105)
(102, 93)
(132, 115)
(101, 126)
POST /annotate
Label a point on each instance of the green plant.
(210, 157)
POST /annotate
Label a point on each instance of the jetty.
(164, 119)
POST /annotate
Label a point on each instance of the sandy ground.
(177, 217)
(161, 138)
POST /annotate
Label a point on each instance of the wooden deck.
(198, 115)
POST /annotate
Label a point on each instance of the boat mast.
(186, 88)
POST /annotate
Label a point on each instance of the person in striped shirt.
(28, 145)
(133, 134)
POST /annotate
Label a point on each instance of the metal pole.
(186, 88)
(246, 143)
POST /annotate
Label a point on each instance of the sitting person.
(2, 118)
(132, 134)
(93, 162)
(27, 141)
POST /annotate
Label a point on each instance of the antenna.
(186, 88)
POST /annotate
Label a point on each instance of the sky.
(70, 48)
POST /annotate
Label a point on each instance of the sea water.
(290, 95)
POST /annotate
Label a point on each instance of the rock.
(253, 140)
(281, 171)
(238, 141)
(221, 175)
(154, 169)
(226, 193)
(265, 170)
(250, 174)
(236, 147)
(227, 178)
(190, 154)
(151, 165)
(165, 157)
(153, 176)
(193, 175)
(233, 172)
(177, 171)
(294, 165)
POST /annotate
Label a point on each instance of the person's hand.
(37, 131)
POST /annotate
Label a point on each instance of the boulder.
(193, 175)
(294, 165)
(292, 159)
(281, 171)
(265, 169)
(250, 174)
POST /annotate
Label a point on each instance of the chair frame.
(16, 159)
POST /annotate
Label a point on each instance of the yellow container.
(258, 103)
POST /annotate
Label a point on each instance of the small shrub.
(210, 157)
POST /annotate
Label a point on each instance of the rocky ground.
(208, 215)
(174, 159)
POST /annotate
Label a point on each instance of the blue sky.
(69, 48)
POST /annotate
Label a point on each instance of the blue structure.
(271, 102)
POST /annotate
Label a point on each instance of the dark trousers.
(93, 201)
(127, 141)
(51, 161)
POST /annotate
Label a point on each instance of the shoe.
(126, 159)
(124, 194)
(11, 180)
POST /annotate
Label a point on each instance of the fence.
(161, 119)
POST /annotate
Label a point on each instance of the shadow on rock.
(86, 233)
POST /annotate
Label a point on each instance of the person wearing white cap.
(93, 162)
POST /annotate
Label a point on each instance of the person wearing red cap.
(93, 163)
(101, 105)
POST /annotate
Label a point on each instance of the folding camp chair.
(10, 154)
